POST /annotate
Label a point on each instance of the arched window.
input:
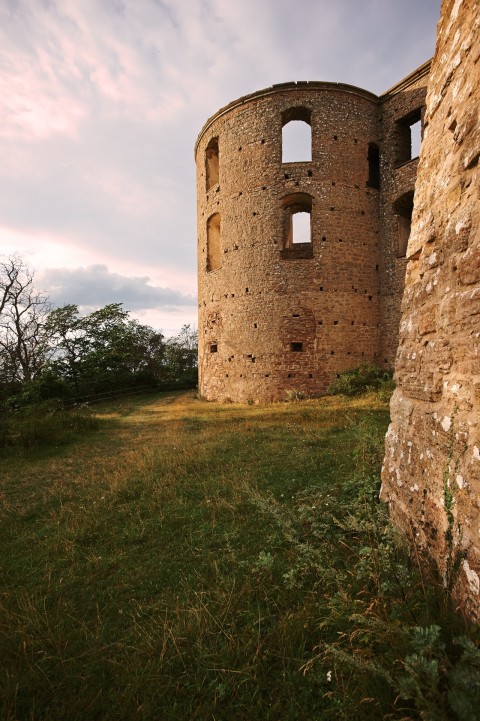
(297, 226)
(403, 208)
(301, 226)
(212, 163)
(373, 166)
(214, 244)
(296, 135)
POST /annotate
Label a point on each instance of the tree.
(59, 353)
(24, 348)
(182, 358)
(104, 349)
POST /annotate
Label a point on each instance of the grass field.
(211, 562)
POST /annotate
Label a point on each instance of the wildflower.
(329, 675)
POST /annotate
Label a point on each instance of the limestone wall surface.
(431, 475)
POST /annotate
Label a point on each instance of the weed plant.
(363, 378)
(208, 562)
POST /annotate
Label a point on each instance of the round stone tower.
(288, 262)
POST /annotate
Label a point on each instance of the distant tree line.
(48, 352)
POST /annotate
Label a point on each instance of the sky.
(101, 102)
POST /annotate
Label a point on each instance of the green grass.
(213, 562)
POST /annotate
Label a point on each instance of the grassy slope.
(203, 561)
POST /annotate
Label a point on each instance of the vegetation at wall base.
(205, 561)
(363, 378)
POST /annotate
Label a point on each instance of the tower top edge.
(317, 86)
(408, 80)
(290, 87)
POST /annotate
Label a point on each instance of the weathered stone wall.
(431, 475)
(399, 173)
(275, 318)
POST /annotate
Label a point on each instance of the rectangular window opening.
(409, 137)
(416, 137)
(213, 348)
(296, 347)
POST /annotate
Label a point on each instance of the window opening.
(301, 232)
(416, 137)
(373, 166)
(409, 137)
(297, 209)
(214, 246)
(296, 347)
(213, 348)
(296, 135)
(212, 163)
(403, 208)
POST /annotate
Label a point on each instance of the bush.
(363, 378)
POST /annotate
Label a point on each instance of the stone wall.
(402, 104)
(431, 475)
(277, 316)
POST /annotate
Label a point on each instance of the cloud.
(101, 103)
(95, 286)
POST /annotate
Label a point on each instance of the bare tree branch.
(23, 311)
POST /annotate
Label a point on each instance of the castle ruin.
(281, 309)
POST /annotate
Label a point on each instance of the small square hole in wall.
(296, 347)
(213, 348)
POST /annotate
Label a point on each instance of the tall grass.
(44, 424)
(199, 561)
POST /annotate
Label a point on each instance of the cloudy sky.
(100, 105)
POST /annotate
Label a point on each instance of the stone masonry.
(277, 315)
(431, 475)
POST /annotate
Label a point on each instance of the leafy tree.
(105, 349)
(182, 358)
(59, 353)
